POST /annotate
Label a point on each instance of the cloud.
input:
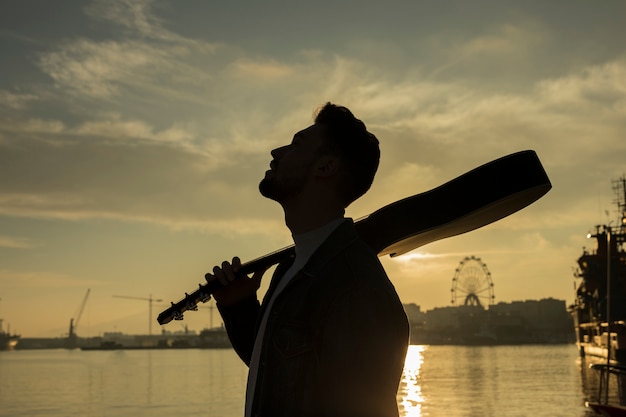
(102, 69)
(16, 101)
(135, 15)
(114, 127)
(499, 52)
(259, 70)
(600, 85)
(454, 113)
(16, 243)
(32, 125)
(138, 18)
(39, 280)
(506, 39)
(149, 58)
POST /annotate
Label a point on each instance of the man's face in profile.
(292, 165)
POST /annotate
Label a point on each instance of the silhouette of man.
(331, 335)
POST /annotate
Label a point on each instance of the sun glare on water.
(410, 397)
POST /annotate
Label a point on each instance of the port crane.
(71, 338)
(211, 309)
(150, 300)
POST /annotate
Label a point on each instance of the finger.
(229, 271)
(236, 264)
(218, 273)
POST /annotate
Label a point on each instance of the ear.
(327, 165)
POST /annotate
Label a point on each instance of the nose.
(276, 153)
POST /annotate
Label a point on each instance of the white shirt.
(305, 245)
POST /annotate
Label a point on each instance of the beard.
(283, 189)
(285, 181)
(276, 190)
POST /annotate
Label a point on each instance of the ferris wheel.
(472, 283)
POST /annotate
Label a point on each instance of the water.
(452, 381)
(507, 381)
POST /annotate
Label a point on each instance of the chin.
(265, 188)
(268, 189)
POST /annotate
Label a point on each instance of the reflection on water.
(469, 381)
(451, 381)
(410, 397)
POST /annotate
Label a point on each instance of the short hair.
(348, 138)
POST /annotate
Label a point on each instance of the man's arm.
(240, 321)
(238, 304)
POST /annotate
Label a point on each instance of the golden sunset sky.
(133, 135)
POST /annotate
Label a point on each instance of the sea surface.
(451, 381)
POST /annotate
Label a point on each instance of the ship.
(599, 307)
(8, 341)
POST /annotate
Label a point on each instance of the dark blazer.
(336, 337)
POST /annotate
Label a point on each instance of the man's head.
(337, 149)
(348, 138)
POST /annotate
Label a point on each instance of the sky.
(133, 135)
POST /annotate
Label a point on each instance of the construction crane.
(211, 307)
(71, 338)
(150, 300)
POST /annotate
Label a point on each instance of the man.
(331, 335)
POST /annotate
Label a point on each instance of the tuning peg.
(203, 295)
(191, 305)
(176, 315)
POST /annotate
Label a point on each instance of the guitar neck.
(204, 291)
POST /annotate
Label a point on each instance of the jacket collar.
(339, 239)
(344, 235)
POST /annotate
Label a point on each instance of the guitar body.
(473, 200)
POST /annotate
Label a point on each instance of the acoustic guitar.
(472, 200)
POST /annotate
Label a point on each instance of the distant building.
(543, 321)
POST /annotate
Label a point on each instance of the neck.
(310, 217)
